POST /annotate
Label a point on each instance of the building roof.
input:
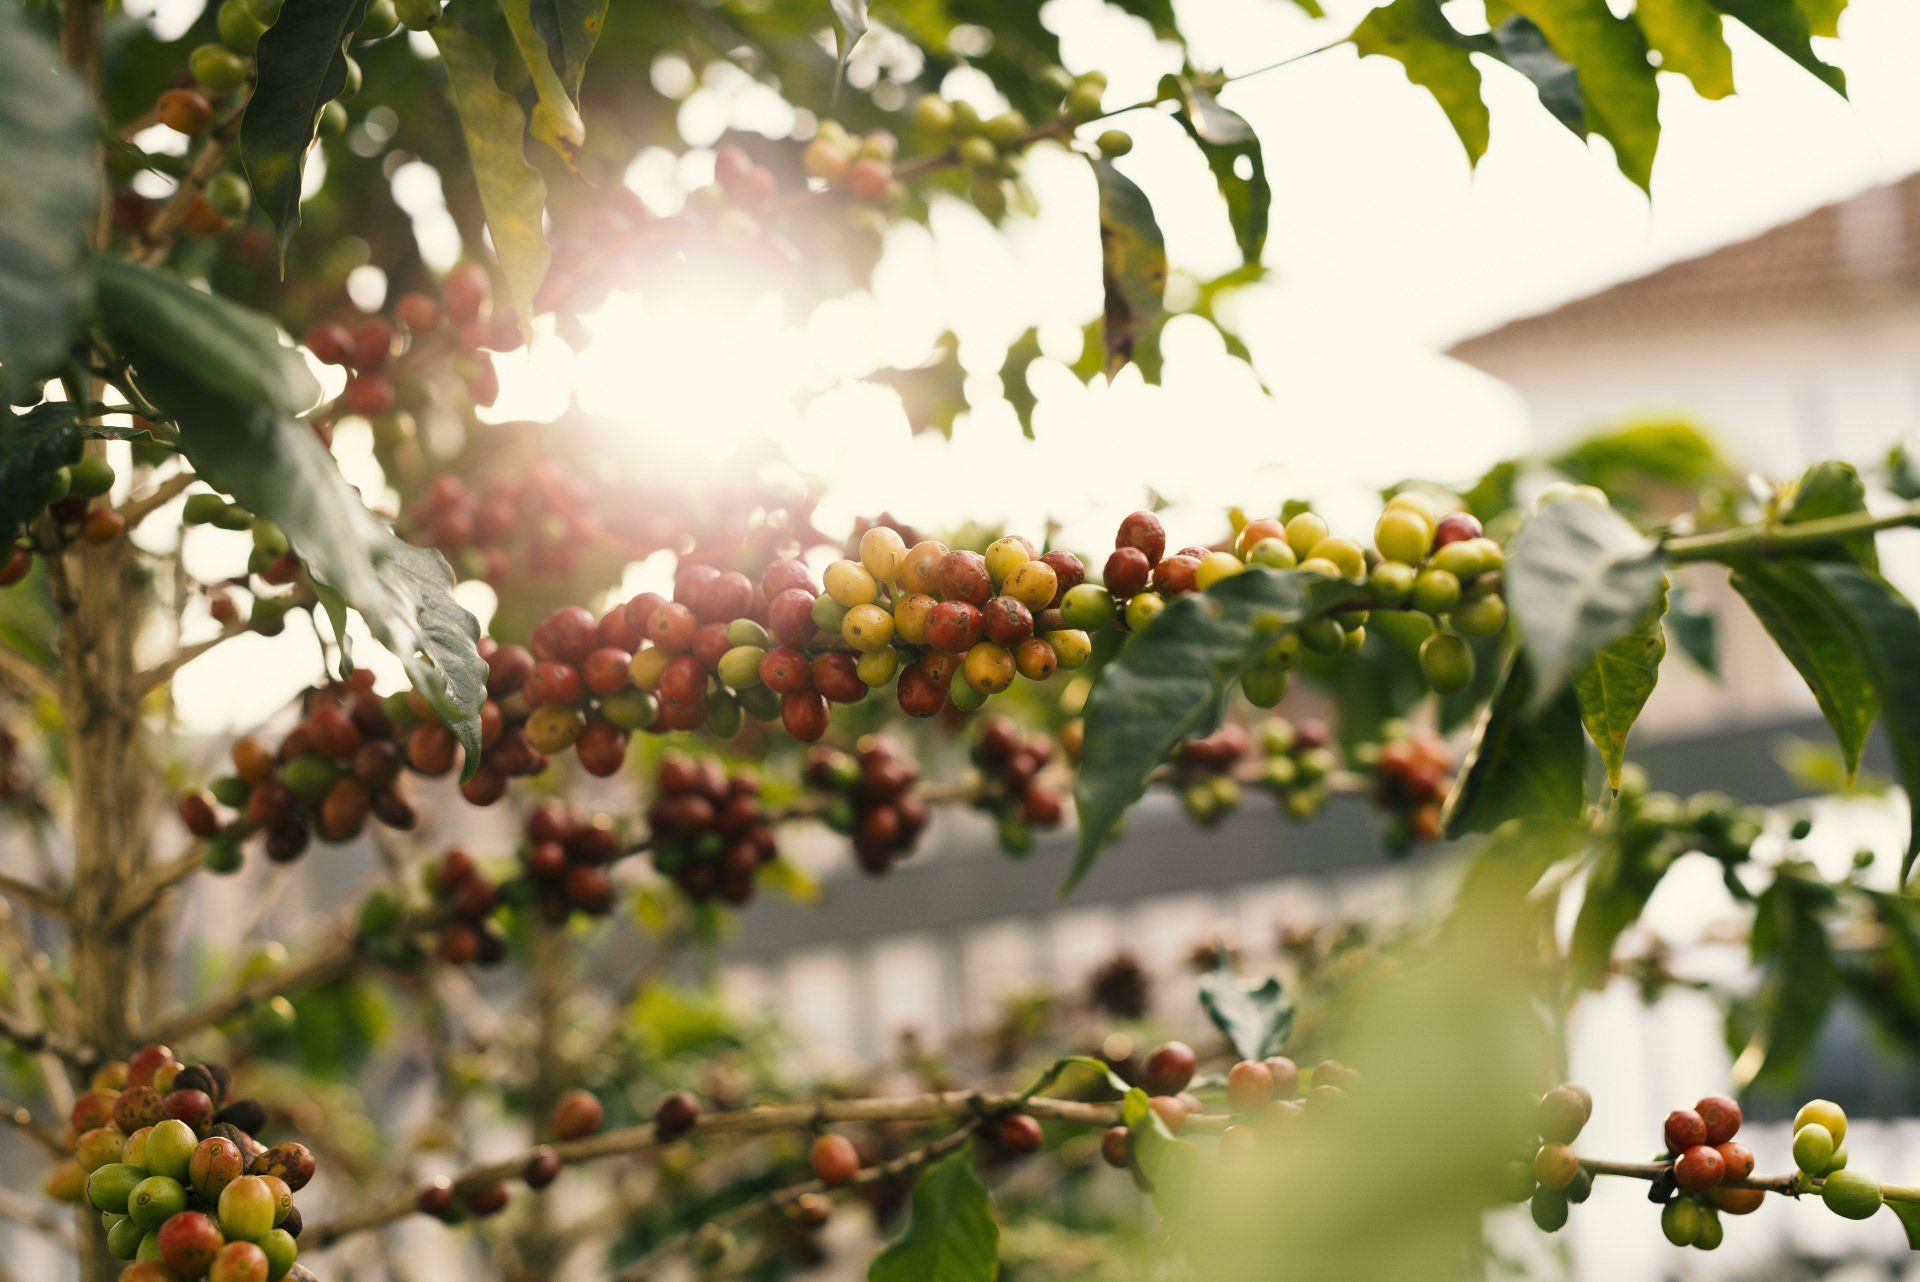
(1863, 251)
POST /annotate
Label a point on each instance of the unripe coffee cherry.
(1851, 1195)
(1826, 1113)
(1549, 1210)
(1680, 1221)
(1561, 1116)
(1813, 1148)
(1446, 661)
(1168, 1069)
(1304, 532)
(835, 1160)
(1555, 1166)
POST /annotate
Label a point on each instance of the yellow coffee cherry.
(1402, 534)
(1823, 1112)
(1461, 560)
(850, 583)
(1343, 552)
(881, 551)
(647, 666)
(1303, 532)
(867, 628)
(1031, 583)
(1480, 618)
(910, 617)
(1490, 555)
(1005, 555)
(1272, 553)
(1143, 608)
(1435, 592)
(917, 571)
(876, 667)
(1417, 503)
(1072, 647)
(989, 667)
(1035, 659)
(1321, 566)
(1215, 566)
(552, 730)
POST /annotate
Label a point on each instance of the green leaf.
(1887, 633)
(1021, 354)
(933, 393)
(1832, 489)
(1523, 46)
(512, 192)
(1615, 76)
(1823, 16)
(1163, 1158)
(301, 66)
(1226, 140)
(1526, 762)
(1435, 56)
(1578, 577)
(1694, 625)
(1157, 13)
(1254, 1017)
(220, 371)
(1790, 947)
(1670, 451)
(1814, 632)
(1909, 1216)
(1688, 37)
(951, 1235)
(1133, 272)
(51, 191)
(1615, 686)
(1787, 27)
(33, 446)
(556, 116)
(1170, 682)
(849, 24)
(1099, 1068)
(570, 29)
(1617, 889)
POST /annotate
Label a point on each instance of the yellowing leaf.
(556, 120)
(1417, 35)
(1687, 35)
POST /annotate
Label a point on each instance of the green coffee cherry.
(333, 120)
(123, 1237)
(1083, 104)
(228, 192)
(1813, 1148)
(155, 1200)
(1323, 636)
(1391, 582)
(1143, 608)
(1265, 685)
(1549, 1210)
(1436, 591)
(170, 1146)
(1447, 662)
(1680, 1220)
(1274, 554)
(630, 709)
(1851, 1195)
(1006, 130)
(417, 15)
(964, 696)
(109, 1187)
(740, 666)
(217, 67)
(933, 115)
(1712, 1232)
(1089, 606)
(747, 632)
(827, 613)
(89, 478)
(1484, 617)
(1114, 143)
(239, 30)
(382, 17)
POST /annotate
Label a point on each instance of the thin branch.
(140, 507)
(31, 1038)
(21, 1119)
(157, 239)
(161, 673)
(331, 962)
(139, 895)
(1772, 539)
(27, 678)
(43, 900)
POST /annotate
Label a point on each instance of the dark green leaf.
(556, 115)
(52, 189)
(1833, 489)
(189, 353)
(512, 192)
(1170, 682)
(1227, 141)
(951, 1235)
(33, 446)
(1615, 76)
(1578, 577)
(1688, 37)
(1617, 889)
(849, 24)
(570, 29)
(1887, 632)
(301, 66)
(1523, 46)
(1694, 626)
(1133, 271)
(1813, 629)
(1787, 27)
(1526, 762)
(1909, 1216)
(1615, 686)
(1254, 1018)
(1021, 355)
(1417, 35)
(1790, 947)
(1157, 13)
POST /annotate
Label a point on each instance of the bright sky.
(1384, 248)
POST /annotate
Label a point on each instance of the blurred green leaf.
(51, 192)
(1832, 489)
(849, 24)
(1435, 56)
(1695, 628)
(1523, 46)
(300, 67)
(1254, 1017)
(1618, 886)
(1615, 77)
(1133, 271)
(932, 393)
(33, 446)
(570, 29)
(1617, 683)
(1786, 26)
(1619, 459)
(1688, 37)
(556, 117)
(1526, 761)
(1228, 142)
(1789, 946)
(1813, 631)
(951, 1235)
(1578, 577)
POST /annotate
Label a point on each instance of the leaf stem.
(1780, 538)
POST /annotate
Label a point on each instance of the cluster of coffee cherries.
(1820, 1152)
(988, 147)
(1653, 825)
(1204, 772)
(68, 498)
(466, 898)
(1412, 771)
(1295, 764)
(182, 1187)
(869, 795)
(1011, 789)
(461, 321)
(709, 833)
(1553, 1179)
(1264, 1096)
(862, 167)
(1706, 1159)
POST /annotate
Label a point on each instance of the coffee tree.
(182, 202)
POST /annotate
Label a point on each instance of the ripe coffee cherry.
(541, 1169)
(1699, 1169)
(239, 1262)
(190, 1241)
(1738, 1158)
(1171, 1065)
(575, 1115)
(962, 576)
(1454, 528)
(1068, 573)
(1144, 531)
(1249, 1086)
(1176, 574)
(804, 715)
(920, 570)
(954, 626)
(1721, 1115)
(330, 343)
(676, 1114)
(435, 1198)
(919, 694)
(1555, 1166)
(1116, 1147)
(1008, 622)
(1033, 584)
(1016, 1134)
(1737, 1201)
(1127, 572)
(835, 1160)
(1684, 1129)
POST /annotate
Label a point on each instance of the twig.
(46, 902)
(139, 895)
(161, 673)
(1772, 539)
(27, 678)
(157, 238)
(331, 962)
(31, 1038)
(142, 506)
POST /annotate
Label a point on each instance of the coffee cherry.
(247, 1208)
(850, 583)
(963, 576)
(185, 111)
(1005, 555)
(1721, 1115)
(1684, 1129)
(1813, 1148)
(1249, 1086)
(1144, 531)
(804, 715)
(1738, 1158)
(1435, 591)
(1446, 661)
(1737, 1201)
(883, 552)
(239, 1261)
(1699, 1169)
(867, 628)
(1127, 572)
(954, 626)
(919, 571)
(1561, 1115)
(1035, 658)
(1402, 534)
(1088, 606)
(835, 1160)
(676, 1114)
(1016, 1134)
(1555, 1166)
(1176, 574)
(989, 668)
(190, 1242)
(1680, 1221)
(1482, 617)
(1851, 1195)
(1454, 528)
(1116, 1147)
(215, 1163)
(1826, 1113)
(1032, 584)
(542, 1168)
(1549, 1210)
(1172, 1110)
(575, 1115)
(1144, 609)
(1169, 1067)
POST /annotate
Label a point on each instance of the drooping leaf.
(1790, 947)
(1170, 681)
(1133, 272)
(1616, 79)
(951, 1235)
(1229, 144)
(849, 24)
(1618, 886)
(33, 446)
(1887, 633)
(1787, 27)
(556, 117)
(1161, 1156)
(1814, 632)
(570, 29)
(1523, 46)
(1832, 489)
(1694, 626)
(1688, 37)
(1255, 1018)
(1435, 56)
(1616, 684)
(1909, 1216)
(512, 192)
(1578, 577)
(222, 373)
(1021, 355)
(49, 194)
(1527, 761)
(301, 66)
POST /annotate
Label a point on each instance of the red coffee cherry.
(1176, 574)
(962, 576)
(1455, 527)
(919, 694)
(1699, 1169)
(542, 1168)
(605, 670)
(435, 1198)
(786, 671)
(1722, 1116)
(676, 1114)
(1684, 1129)
(1016, 1134)
(835, 674)
(575, 1115)
(790, 616)
(1286, 1077)
(835, 1160)
(373, 343)
(331, 343)
(954, 626)
(368, 395)
(1116, 1147)
(1249, 1086)
(804, 714)
(1738, 1157)
(1170, 1066)
(1127, 572)
(1737, 1201)
(1142, 530)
